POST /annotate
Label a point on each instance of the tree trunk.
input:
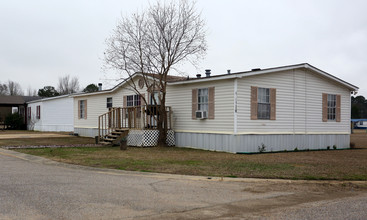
(162, 125)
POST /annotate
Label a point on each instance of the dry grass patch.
(35, 138)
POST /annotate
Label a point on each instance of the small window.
(203, 99)
(38, 112)
(82, 107)
(331, 107)
(29, 112)
(133, 100)
(263, 103)
(109, 102)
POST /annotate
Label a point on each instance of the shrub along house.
(276, 109)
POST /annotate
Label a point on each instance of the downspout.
(235, 107)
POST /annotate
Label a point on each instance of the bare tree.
(154, 42)
(68, 85)
(14, 88)
(31, 92)
(3, 89)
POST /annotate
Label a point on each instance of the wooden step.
(113, 136)
(121, 129)
(108, 139)
(105, 143)
(116, 133)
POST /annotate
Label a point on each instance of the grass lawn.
(331, 164)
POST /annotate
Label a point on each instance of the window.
(29, 112)
(38, 112)
(203, 98)
(83, 109)
(331, 107)
(263, 103)
(109, 102)
(133, 100)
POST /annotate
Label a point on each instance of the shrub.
(328, 148)
(14, 121)
(334, 147)
(352, 145)
(262, 148)
(296, 149)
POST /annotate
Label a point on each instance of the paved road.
(338, 209)
(36, 188)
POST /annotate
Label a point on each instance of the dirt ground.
(31, 135)
(359, 138)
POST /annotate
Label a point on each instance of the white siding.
(179, 97)
(56, 114)
(97, 105)
(298, 104)
(33, 122)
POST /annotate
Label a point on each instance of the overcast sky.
(42, 40)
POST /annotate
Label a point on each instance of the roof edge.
(268, 70)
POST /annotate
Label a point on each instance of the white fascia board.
(329, 76)
(50, 98)
(113, 89)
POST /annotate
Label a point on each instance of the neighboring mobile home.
(51, 114)
(289, 108)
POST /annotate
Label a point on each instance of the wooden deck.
(142, 117)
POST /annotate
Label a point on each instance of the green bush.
(14, 122)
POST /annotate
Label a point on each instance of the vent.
(198, 75)
(256, 69)
(207, 73)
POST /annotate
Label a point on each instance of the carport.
(12, 104)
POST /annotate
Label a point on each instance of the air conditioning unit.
(201, 114)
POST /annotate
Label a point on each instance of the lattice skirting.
(148, 138)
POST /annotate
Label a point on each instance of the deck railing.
(141, 117)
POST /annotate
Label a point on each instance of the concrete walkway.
(37, 188)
